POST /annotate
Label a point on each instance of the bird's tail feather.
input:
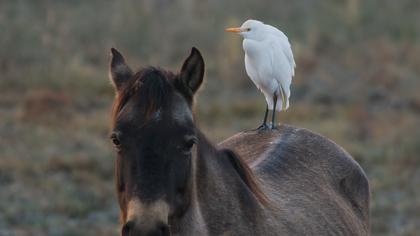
(284, 99)
(280, 106)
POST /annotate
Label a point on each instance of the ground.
(357, 80)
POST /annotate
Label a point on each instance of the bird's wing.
(282, 62)
(283, 66)
(285, 45)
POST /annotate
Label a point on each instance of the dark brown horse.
(171, 180)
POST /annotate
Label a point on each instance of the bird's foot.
(273, 126)
(262, 127)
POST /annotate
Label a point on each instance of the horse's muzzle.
(129, 229)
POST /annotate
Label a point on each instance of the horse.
(171, 180)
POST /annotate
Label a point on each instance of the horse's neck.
(221, 201)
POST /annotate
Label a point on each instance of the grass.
(56, 169)
(356, 82)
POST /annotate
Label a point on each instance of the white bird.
(269, 63)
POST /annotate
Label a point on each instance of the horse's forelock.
(150, 86)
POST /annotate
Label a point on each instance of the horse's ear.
(119, 72)
(192, 71)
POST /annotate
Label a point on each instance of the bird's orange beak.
(233, 30)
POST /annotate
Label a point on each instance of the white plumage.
(269, 61)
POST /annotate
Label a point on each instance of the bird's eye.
(248, 29)
(115, 140)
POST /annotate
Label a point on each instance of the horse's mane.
(150, 86)
(240, 167)
(247, 176)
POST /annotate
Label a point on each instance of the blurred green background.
(357, 82)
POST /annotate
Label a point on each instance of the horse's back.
(316, 184)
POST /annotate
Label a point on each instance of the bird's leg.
(264, 126)
(273, 124)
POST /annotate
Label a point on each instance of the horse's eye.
(189, 143)
(115, 140)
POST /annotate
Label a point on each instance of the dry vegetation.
(357, 82)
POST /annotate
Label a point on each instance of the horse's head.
(153, 135)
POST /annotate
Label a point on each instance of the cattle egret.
(269, 63)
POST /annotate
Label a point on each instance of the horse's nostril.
(127, 228)
(164, 230)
